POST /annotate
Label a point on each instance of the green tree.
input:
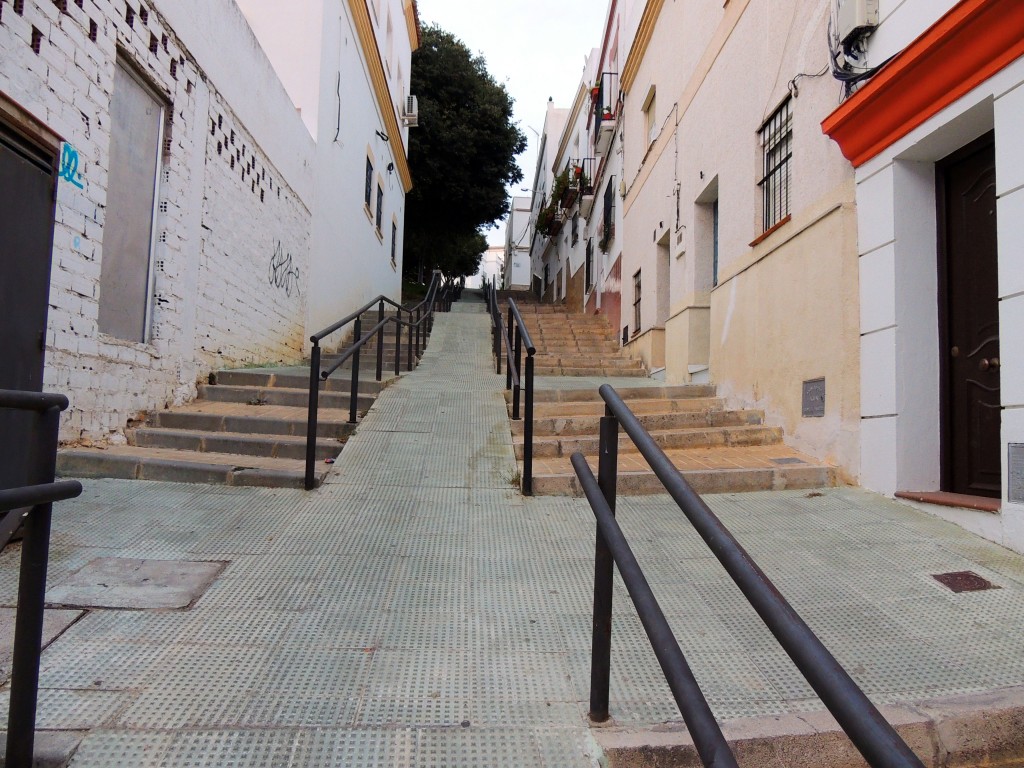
(462, 157)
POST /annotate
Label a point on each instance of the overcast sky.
(537, 48)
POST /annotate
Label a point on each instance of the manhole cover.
(964, 581)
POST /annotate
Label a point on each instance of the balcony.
(605, 95)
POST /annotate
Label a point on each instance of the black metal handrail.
(873, 736)
(38, 496)
(517, 379)
(422, 325)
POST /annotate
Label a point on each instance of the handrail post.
(509, 328)
(380, 342)
(398, 343)
(28, 629)
(496, 338)
(311, 416)
(354, 392)
(528, 431)
(499, 349)
(604, 566)
(416, 330)
(517, 355)
(409, 342)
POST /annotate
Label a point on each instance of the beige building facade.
(739, 262)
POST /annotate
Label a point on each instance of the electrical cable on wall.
(844, 57)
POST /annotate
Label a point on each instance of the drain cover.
(788, 460)
(964, 581)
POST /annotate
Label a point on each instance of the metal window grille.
(777, 146)
(575, 228)
(609, 209)
(394, 245)
(380, 205)
(369, 182)
(589, 272)
(636, 303)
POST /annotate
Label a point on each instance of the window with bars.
(777, 149)
(589, 271)
(636, 303)
(368, 194)
(575, 228)
(394, 245)
(380, 206)
(609, 212)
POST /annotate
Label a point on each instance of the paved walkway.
(417, 611)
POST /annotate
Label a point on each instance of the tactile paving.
(417, 610)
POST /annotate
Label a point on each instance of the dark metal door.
(27, 186)
(968, 256)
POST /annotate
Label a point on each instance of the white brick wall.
(220, 301)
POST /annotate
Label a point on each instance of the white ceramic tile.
(877, 290)
(878, 373)
(878, 454)
(875, 210)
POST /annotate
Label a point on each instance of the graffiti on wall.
(69, 161)
(283, 273)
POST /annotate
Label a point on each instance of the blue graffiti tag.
(69, 165)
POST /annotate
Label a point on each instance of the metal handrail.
(35, 549)
(700, 720)
(516, 378)
(873, 736)
(424, 312)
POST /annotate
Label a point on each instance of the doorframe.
(942, 261)
(18, 119)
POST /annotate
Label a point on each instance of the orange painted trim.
(771, 230)
(971, 43)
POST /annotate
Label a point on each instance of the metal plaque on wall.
(814, 398)
(1015, 473)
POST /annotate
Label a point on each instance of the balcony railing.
(605, 95)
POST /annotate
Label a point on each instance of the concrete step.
(570, 409)
(296, 378)
(270, 446)
(130, 462)
(298, 398)
(694, 419)
(696, 437)
(629, 394)
(591, 371)
(207, 416)
(708, 470)
(583, 361)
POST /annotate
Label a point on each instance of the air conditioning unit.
(856, 16)
(411, 113)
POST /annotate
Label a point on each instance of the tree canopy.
(462, 157)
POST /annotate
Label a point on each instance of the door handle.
(992, 364)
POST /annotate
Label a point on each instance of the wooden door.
(27, 186)
(970, 308)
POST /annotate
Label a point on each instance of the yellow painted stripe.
(368, 41)
(412, 21)
(638, 50)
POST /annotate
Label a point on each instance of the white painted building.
(189, 197)
(492, 263)
(516, 258)
(935, 138)
(346, 64)
(543, 279)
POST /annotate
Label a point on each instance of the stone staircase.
(246, 427)
(717, 449)
(571, 344)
